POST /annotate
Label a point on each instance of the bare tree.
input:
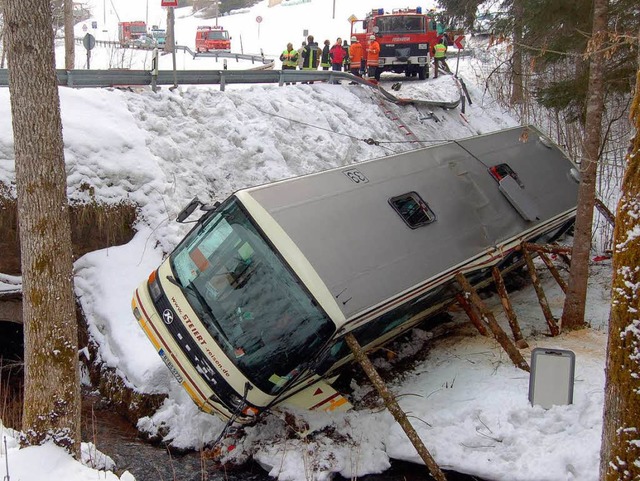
(51, 393)
(620, 449)
(574, 305)
(517, 88)
(69, 40)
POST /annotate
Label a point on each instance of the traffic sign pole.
(459, 43)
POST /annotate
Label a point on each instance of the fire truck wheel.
(423, 73)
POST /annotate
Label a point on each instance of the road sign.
(352, 18)
(169, 3)
(84, 27)
(459, 42)
(94, 24)
(258, 19)
(89, 41)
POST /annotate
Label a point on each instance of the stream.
(116, 437)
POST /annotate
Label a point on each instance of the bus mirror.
(188, 210)
(209, 207)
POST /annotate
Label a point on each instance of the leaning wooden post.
(508, 309)
(497, 331)
(473, 316)
(554, 271)
(542, 299)
(394, 408)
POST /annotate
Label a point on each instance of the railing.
(120, 78)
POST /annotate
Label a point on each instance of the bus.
(251, 308)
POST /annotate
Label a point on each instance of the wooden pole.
(605, 212)
(393, 407)
(554, 271)
(548, 248)
(473, 315)
(542, 299)
(508, 309)
(497, 331)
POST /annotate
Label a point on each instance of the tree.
(51, 392)
(620, 449)
(574, 304)
(69, 36)
(517, 87)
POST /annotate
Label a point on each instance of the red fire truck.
(129, 32)
(406, 37)
(212, 38)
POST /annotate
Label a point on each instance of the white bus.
(250, 309)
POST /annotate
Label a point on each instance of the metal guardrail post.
(222, 81)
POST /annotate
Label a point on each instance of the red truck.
(129, 32)
(406, 37)
(212, 38)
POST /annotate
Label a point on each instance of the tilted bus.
(251, 308)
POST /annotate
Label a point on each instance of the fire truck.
(406, 37)
(212, 38)
(129, 32)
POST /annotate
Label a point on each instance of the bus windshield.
(248, 299)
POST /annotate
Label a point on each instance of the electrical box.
(551, 377)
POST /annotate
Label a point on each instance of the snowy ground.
(468, 403)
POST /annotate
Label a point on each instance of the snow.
(465, 398)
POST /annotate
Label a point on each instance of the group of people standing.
(340, 56)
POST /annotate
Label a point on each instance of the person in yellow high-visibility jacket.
(289, 59)
(439, 57)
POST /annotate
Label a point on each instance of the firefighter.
(289, 59)
(310, 55)
(300, 59)
(439, 57)
(325, 59)
(356, 56)
(347, 61)
(373, 57)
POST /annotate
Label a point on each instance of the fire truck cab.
(406, 37)
(129, 32)
(212, 38)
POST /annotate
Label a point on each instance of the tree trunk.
(574, 304)
(620, 448)
(51, 391)
(69, 36)
(170, 39)
(517, 87)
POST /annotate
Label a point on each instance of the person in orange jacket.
(373, 56)
(356, 54)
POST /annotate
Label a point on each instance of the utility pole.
(334, 9)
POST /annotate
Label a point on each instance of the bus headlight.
(235, 401)
(154, 286)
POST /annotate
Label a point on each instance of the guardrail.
(121, 78)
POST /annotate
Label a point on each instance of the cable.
(368, 141)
